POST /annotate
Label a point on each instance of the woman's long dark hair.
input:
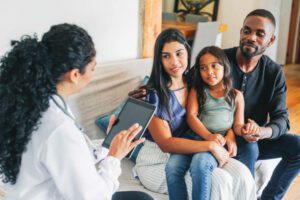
(200, 85)
(159, 78)
(29, 74)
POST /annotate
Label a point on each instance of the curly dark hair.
(159, 78)
(199, 85)
(29, 74)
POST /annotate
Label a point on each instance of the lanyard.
(64, 109)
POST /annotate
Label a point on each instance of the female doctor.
(43, 152)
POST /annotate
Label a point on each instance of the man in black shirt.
(263, 84)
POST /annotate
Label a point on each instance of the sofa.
(109, 87)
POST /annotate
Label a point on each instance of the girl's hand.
(231, 145)
(251, 138)
(251, 128)
(218, 138)
(220, 153)
(122, 143)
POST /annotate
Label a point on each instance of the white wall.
(168, 6)
(274, 8)
(283, 34)
(113, 24)
(233, 12)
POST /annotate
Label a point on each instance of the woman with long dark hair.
(43, 152)
(214, 107)
(168, 88)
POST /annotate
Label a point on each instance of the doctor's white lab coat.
(58, 164)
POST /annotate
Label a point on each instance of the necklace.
(178, 89)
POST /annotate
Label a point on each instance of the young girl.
(169, 92)
(213, 107)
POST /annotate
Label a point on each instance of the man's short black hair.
(263, 13)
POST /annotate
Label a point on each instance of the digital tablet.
(133, 111)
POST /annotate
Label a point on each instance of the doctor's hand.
(123, 142)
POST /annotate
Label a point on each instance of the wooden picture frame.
(207, 8)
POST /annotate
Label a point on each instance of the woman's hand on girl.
(139, 93)
(220, 153)
(123, 142)
(218, 138)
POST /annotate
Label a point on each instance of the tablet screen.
(134, 111)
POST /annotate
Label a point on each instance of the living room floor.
(292, 73)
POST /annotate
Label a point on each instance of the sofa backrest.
(109, 87)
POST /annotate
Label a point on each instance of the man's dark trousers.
(287, 147)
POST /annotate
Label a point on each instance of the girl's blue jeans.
(200, 165)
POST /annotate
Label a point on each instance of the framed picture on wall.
(208, 8)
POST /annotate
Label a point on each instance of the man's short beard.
(248, 54)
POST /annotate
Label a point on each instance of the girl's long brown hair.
(199, 85)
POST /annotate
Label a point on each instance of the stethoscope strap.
(77, 124)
